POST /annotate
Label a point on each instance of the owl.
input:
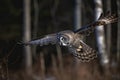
(73, 39)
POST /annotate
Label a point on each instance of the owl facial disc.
(64, 41)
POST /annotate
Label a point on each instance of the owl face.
(65, 38)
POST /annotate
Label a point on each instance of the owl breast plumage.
(73, 39)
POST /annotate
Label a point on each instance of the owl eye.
(64, 41)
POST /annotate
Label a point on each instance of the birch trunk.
(77, 15)
(100, 34)
(27, 36)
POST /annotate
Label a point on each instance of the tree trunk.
(108, 6)
(77, 15)
(118, 34)
(27, 36)
(100, 34)
(35, 28)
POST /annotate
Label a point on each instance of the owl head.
(65, 38)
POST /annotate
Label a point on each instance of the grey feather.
(49, 39)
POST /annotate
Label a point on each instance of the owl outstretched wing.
(48, 39)
(73, 41)
(83, 52)
(103, 20)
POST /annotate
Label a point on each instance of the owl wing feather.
(103, 20)
(83, 52)
(48, 39)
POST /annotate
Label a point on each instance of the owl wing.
(103, 20)
(48, 39)
(83, 52)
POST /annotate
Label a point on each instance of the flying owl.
(73, 39)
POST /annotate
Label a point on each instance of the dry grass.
(71, 70)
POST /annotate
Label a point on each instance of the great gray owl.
(73, 39)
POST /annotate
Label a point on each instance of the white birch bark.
(77, 15)
(27, 36)
(100, 34)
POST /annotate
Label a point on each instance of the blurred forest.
(24, 20)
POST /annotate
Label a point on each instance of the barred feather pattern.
(83, 52)
(103, 20)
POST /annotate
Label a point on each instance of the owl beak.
(63, 44)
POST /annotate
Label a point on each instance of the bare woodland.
(25, 20)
